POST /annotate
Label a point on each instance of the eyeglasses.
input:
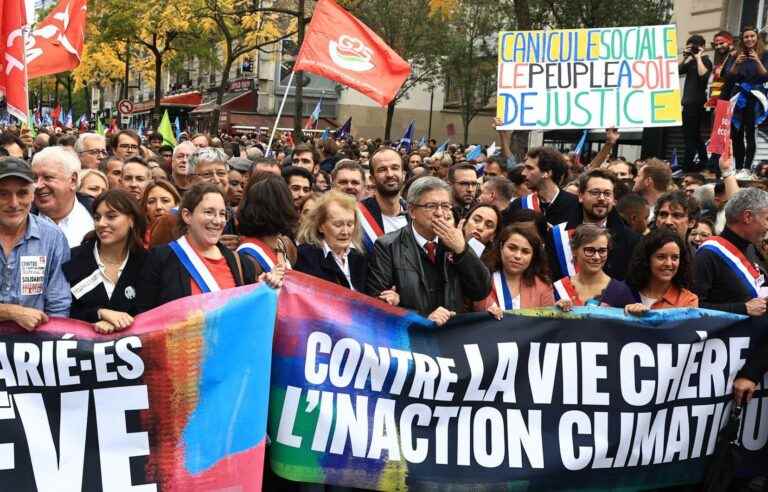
(433, 206)
(596, 194)
(589, 251)
(94, 152)
(212, 174)
(128, 147)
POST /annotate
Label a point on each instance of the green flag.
(100, 128)
(166, 130)
(31, 124)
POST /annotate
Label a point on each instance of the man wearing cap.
(32, 284)
(239, 170)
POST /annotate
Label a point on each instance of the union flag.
(13, 75)
(56, 43)
(338, 46)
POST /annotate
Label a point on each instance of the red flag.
(56, 43)
(56, 113)
(339, 47)
(13, 75)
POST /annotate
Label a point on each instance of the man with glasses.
(125, 144)
(91, 148)
(597, 200)
(428, 262)
(463, 180)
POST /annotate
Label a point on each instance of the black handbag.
(721, 470)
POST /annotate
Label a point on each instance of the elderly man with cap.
(32, 284)
(239, 171)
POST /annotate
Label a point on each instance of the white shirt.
(77, 224)
(393, 223)
(421, 240)
(647, 301)
(342, 261)
(108, 285)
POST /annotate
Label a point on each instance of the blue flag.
(325, 136)
(673, 162)
(476, 152)
(582, 141)
(177, 127)
(141, 128)
(407, 141)
(422, 142)
(344, 131)
(442, 147)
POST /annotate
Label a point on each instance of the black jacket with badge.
(82, 264)
(397, 262)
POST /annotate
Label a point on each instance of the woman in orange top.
(521, 276)
(659, 273)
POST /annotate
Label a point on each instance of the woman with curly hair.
(520, 273)
(659, 273)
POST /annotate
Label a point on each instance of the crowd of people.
(103, 228)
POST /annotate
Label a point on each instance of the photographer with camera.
(696, 67)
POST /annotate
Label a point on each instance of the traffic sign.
(125, 106)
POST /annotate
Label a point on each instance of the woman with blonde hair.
(330, 245)
(93, 182)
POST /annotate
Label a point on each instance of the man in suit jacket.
(428, 262)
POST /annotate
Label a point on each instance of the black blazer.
(163, 278)
(82, 264)
(312, 262)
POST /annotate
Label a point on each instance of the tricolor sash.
(531, 202)
(371, 229)
(561, 240)
(501, 289)
(735, 260)
(564, 289)
(194, 265)
(263, 254)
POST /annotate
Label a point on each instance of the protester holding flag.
(103, 271)
(266, 221)
(520, 273)
(659, 274)
(590, 284)
(197, 262)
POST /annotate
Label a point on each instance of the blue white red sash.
(561, 240)
(531, 202)
(564, 289)
(194, 265)
(501, 289)
(263, 254)
(370, 228)
(735, 260)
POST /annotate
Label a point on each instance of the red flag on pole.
(13, 76)
(56, 43)
(339, 47)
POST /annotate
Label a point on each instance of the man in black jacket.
(597, 200)
(428, 262)
(724, 278)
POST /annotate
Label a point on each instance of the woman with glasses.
(702, 231)
(590, 285)
(197, 262)
(658, 274)
(520, 273)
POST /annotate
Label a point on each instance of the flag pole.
(279, 113)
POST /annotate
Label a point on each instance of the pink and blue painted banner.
(177, 402)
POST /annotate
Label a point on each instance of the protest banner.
(720, 139)
(588, 78)
(178, 402)
(368, 396)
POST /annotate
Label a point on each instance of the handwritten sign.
(589, 78)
